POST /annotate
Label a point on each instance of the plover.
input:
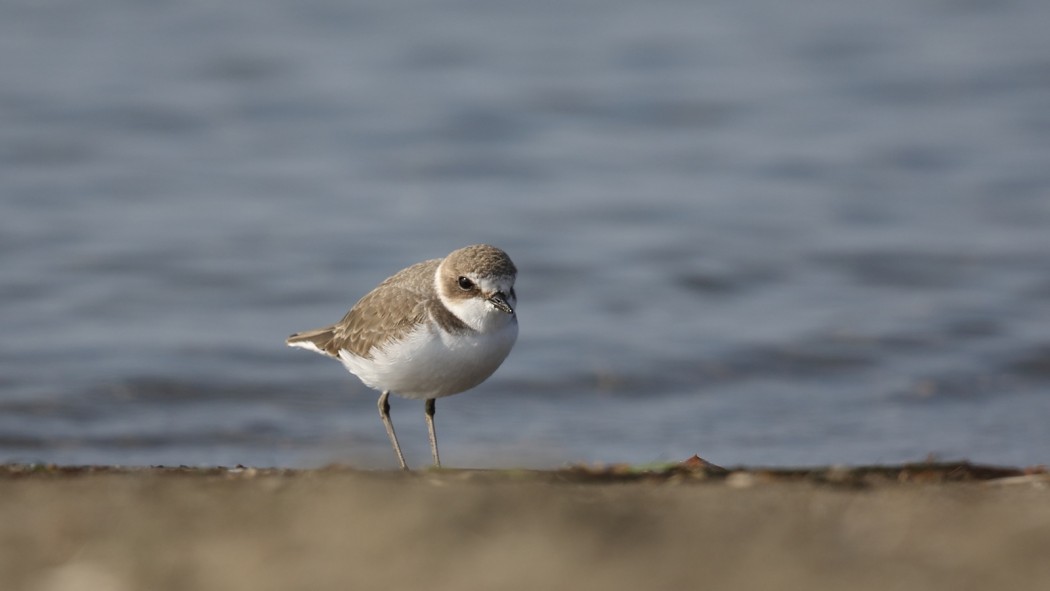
(434, 329)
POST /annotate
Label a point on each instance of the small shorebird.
(434, 329)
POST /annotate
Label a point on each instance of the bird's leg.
(384, 413)
(430, 431)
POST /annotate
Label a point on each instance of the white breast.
(431, 363)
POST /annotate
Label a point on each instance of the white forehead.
(489, 284)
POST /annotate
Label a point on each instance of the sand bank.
(189, 529)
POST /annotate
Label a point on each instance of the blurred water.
(765, 232)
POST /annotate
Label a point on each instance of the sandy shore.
(163, 529)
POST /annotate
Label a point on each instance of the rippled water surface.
(765, 232)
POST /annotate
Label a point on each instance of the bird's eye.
(465, 283)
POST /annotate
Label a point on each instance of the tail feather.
(318, 340)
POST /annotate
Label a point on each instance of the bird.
(433, 329)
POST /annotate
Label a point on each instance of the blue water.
(764, 232)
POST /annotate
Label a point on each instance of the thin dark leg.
(430, 431)
(384, 413)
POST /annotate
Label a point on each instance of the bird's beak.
(499, 299)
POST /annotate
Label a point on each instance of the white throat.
(477, 312)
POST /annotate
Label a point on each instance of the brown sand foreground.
(953, 527)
